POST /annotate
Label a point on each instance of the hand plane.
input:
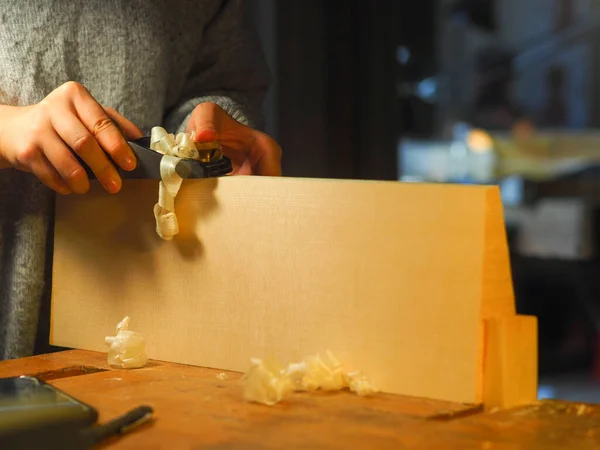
(148, 164)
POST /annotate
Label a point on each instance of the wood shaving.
(127, 349)
(269, 383)
(174, 148)
(581, 410)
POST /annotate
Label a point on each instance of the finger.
(77, 136)
(65, 163)
(265, 155)
(239, 166)
(128, 128)
(206, 122)
(240, 142)
(43, 170)
(102, 128)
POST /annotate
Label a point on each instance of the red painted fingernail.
(205, 135)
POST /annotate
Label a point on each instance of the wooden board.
(510, 371)
(394, 278)
(193, 409)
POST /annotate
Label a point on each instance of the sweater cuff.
(178, 119)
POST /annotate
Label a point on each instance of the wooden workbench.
(194, 409)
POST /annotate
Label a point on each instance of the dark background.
(334, 106)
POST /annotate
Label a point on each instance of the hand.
(41, 139)
(251, 151)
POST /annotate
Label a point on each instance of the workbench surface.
(194, 409)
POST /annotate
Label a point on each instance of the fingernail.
(205, 135)
(129, 163)
(113, 185)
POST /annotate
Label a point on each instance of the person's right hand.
(43, 138)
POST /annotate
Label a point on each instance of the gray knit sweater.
(151, 60)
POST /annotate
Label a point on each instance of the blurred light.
(460, 130)
(427, 90)
(479, 141)
(523, 129)
(511, 190)
(403, 54)
(545, 392)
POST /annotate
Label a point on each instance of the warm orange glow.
(479, 141)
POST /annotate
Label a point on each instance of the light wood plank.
(394, 278)
(510, 367)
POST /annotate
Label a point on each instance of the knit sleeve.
(229, 70)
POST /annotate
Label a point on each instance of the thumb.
(205, 121)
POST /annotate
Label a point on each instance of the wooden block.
(510, 367)
(394, 278)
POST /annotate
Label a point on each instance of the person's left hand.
(252, 152)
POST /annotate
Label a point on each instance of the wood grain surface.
(395, 279)
(195, 410)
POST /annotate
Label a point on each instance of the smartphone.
(28, 404)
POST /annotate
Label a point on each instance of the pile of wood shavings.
(268, 383)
